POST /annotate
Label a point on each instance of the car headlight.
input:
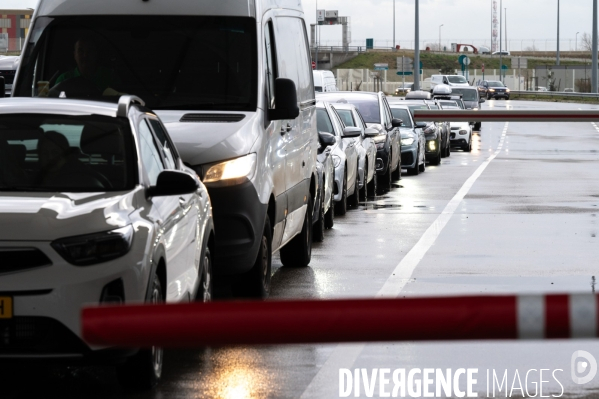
(507, 90)
(475, 109)
(96, 248)
(491, 89)
(381, 138)
(233, 171)
(462, 132)
(407, 141)
(336, 160)
(432, 145)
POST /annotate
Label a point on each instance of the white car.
(96, 207)
(461, 135)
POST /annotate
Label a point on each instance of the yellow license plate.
(5, 307)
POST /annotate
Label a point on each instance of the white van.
(450, 80)
(231, 80)
(324, 81)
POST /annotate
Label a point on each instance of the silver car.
(413, 141)
(324, 214)
(365, 146)
(345, 156)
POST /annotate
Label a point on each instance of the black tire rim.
(207, 280)
(157, 352)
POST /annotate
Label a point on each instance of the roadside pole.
(500, 44)
(417, 50)
(403, 76)
(594, 68)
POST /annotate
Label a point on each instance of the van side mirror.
(420, 125)
(396, 122)
(370, 132)
(2, 87)
(351, 131)
(172, 182)
(285, 101)
(326, 139)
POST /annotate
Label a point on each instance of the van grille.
(212, 118)
(14, 259)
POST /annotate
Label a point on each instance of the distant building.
(14, 25)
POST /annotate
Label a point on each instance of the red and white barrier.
(364, 320)
(505, 116)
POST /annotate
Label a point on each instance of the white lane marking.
(531, 316)
(345, 355)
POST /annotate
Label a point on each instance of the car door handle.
(182, 202)
(285, 129)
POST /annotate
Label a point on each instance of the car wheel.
(205, 289)
(341, 206)
(372, 186)
(416, 169)
(142, 371)
(298, 251)
(319, 226)
(354, 199)
(477, 126)
(385, 184)
(329, 217)
(422, 166)
(435, 159)
(256, 282)
(396, 175)
(364, 190)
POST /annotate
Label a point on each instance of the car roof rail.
(124, 104)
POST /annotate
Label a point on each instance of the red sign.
(313, 64)
(483, 67)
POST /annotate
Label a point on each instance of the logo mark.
(580, 366)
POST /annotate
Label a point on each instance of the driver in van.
(86, 57)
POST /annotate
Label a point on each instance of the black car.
(375, 111)
(494, 89)
(437, 137)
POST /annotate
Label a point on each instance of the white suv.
(95, 207)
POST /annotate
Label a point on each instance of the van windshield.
(171, 62)
(457, 79)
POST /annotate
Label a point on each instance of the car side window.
(388, 116)
(168, 150)
(270, 62)
(149, 153)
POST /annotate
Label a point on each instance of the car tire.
(422, 166)
(373, 186)
(142, 371)
(416, 169)
(364, 189)
(385, 184)
(341, 206)
(319, 226)
(435, 160)
(477, 126)
(298, 251)
(204, 293)
(329, 217)
(354, 199)
(256, 282)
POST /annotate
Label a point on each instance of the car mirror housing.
(172, 182)
(481, 100)
(326, 139)
(370, 132)
(285, 101)
(351, 131)
(396, 122)
(420, 125)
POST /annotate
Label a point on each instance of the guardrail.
(555, 94)
(359, 320)
(506, 116)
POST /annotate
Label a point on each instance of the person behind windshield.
(59, 168)
(86, 56)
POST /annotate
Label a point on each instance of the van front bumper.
(238, 224)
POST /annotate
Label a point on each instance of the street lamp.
(576, 44)
(440, 48)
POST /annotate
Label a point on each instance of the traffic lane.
(528, 225)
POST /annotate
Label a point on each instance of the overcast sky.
(463, 20)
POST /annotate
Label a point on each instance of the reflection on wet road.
(527, 225)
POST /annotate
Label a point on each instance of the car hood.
(36, 216)
(471, 104)
(461, 125)
(202, 142)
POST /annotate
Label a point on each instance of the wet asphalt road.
(527, 225)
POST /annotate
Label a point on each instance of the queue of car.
(209, 167)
